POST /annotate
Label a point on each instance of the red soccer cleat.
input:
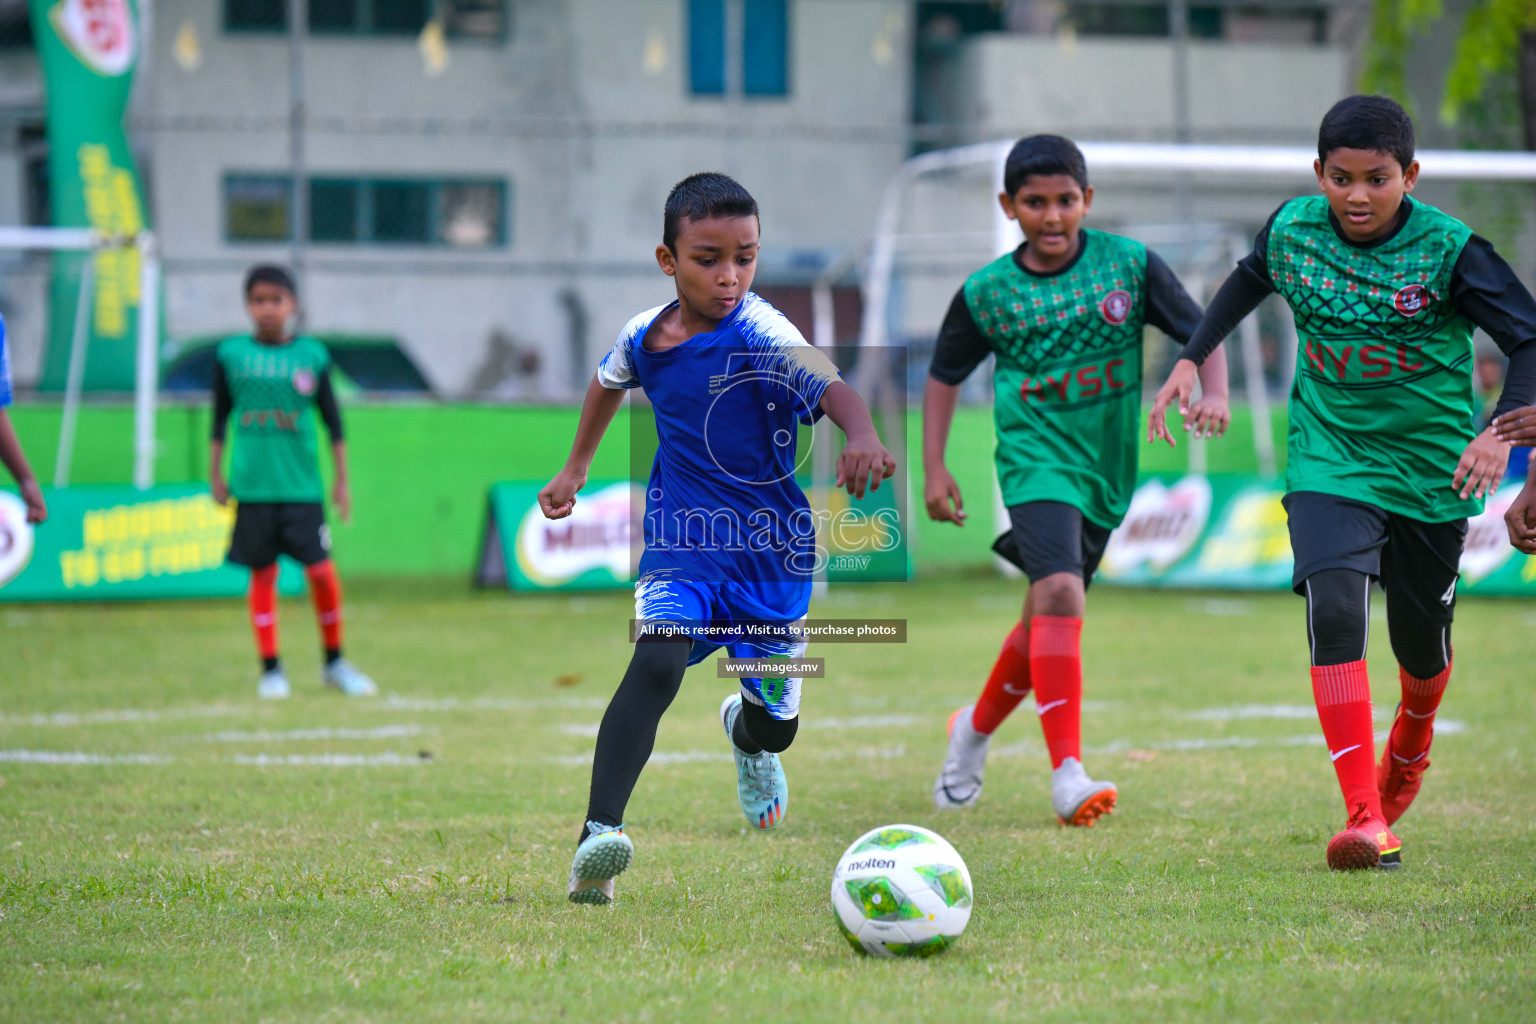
(1398, 781)
(1366, 842)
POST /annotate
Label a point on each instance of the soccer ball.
(901, 890)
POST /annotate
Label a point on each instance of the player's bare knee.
(1060, 593)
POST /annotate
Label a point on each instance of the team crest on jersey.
(1116, 306)
(1410, 300)
(304, 381)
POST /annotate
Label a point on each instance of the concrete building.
(486, 183)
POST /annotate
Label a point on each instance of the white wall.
(1101, 88)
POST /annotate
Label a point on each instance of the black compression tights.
(628, 733)
(1339, 617)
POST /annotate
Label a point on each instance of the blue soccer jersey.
(5, 369)
(723, 511)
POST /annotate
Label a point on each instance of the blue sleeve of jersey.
(778, 348)
(5, 369)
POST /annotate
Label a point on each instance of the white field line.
(1303, 712)
(1218, 606)
(862, 722)
(77, 757)
(385, 732)
(119, 715)
(1025, 748)
(588, 729)
(659, 757)
(395, 702)
(324, 760)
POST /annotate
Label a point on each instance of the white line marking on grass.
(579, 728)
(395, 702)
(1025, 748)
(385, 732)
(119, 715)
(324, 760)
(862, 722)
(77, 757)
(1244, 711)
(659, 757)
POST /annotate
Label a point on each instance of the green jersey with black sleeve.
(1067, 382)
(269, 391)
(1382, 405)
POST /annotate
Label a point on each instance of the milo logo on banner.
(99, 32)
(1161, 526)
(596, 537)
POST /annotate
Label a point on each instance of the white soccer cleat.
(273, 685)
(342, 675)
(959, 781)
(1078, 799)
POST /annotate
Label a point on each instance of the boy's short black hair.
(1043, 154)
(700, 196)
(1367, 122)
(269, 273)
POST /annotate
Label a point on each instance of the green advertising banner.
(1229, 532)
(88, 50)
(118, 543)
(594, 548)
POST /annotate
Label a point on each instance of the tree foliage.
(1488, 46)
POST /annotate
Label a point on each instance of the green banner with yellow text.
(118, 543)
(88, 50)
(1229, 532)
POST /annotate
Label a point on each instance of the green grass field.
(216, 858)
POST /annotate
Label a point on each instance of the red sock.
(325, 592)
(261, 598)
(1415, 727)
(1056, 668)
(1343, 696)
(1006, 686)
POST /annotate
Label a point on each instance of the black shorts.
(266, 529)
(1414, 560)
(1050, 537)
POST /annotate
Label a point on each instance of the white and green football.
(901, 890)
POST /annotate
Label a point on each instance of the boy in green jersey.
(1065, 316)
(268, 381)
(1384, 463)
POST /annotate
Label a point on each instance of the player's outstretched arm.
(941, 492)
(330, 412)
(1521, 517)
(1517, 427)
(1211, 415)
(16, 461)
(598, 408)
(1482, 465)
(864, 461)
(223, 405)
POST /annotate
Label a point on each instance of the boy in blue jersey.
(729, 536)
(11, 454)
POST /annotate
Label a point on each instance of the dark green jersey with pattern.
(273, 390)
(1068, 377)
(1381, 409)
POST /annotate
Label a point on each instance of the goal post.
(1168, 166)
(147, 341)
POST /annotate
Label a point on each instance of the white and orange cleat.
(1366, 842)
(1079, 800)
